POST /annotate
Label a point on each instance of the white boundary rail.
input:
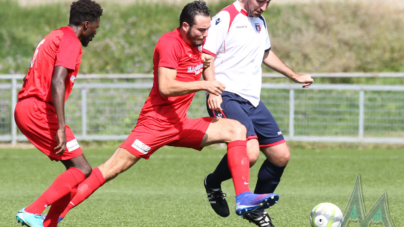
(14, 85)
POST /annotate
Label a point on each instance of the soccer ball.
(324, 214)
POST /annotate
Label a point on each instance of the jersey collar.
(240, 9)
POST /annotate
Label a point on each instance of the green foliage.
(168, 189)
(320, 37)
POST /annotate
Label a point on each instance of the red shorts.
(150, 134)
(38, 121)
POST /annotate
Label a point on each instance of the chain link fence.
(107, 108)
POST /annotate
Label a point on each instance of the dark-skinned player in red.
(40, 113)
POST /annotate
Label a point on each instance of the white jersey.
(238, 43)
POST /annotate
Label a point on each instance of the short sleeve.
(267, 43)
(219, 28)
(169, 53)
(267, 39)
(68, 52)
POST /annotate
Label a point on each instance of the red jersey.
(60, 48)
(173, 52)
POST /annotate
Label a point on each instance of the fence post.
(84, 111)
(361, 113)
(13, 104)
(291, 113)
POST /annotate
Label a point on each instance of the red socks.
(239, 165)
(85, 189)
(57, 208)
(61, 187)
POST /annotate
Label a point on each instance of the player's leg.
(234, 107)
(119, 162)
(53, 216)
(38, 122)
(269, 176)
(273, 167)
(233, 133)
(273, 145)
(84, 190)
(222, 172)
(129, 153)
(62, 186)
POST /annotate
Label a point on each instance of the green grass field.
(168, 189)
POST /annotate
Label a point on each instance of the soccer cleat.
(248, 202)
(28, 219)
(261, 219)
(44, 217)
(217, 200)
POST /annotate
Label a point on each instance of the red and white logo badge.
(140, 146)
(258, 27)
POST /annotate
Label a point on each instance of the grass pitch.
(168, 189)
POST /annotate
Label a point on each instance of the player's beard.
(194, 41)
(86, 41)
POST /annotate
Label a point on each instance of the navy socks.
(221, 173)
(269, 177)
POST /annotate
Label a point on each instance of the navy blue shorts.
(258, 120)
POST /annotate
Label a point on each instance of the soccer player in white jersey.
(237, 45)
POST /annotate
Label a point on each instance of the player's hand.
(214, 87)
(61, 141)
(207, 60)
(304, 79)
(214, 102)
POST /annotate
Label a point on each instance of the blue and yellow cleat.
(28, 219)
(248, 202)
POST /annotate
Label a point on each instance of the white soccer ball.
(326, 215)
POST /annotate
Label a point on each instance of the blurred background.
(353, 47)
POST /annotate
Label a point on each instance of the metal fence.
(107, 107)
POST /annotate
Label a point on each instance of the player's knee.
(238, 131)
(283, 158)
(253, 159)
(86, 170)
(253, 151)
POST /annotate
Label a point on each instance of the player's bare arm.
(273, 62)
(58, 95)
(214, 101)
(169, 86)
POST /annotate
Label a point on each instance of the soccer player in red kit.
(39, 112)
(178, 68)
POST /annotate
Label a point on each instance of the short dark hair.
(192, 9)
(84, 10)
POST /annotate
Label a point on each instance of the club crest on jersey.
(217, 21)
(72, 79)
(197, 69)
(258, 27)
